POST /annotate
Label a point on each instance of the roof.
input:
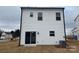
(76, 17)
(42, 7)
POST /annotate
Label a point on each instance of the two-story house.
(42, 26)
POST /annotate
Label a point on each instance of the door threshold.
(30, 45)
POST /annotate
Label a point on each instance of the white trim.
(46, 44)
(29, 45)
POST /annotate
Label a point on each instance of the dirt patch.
(12, 47)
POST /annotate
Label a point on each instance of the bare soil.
(12, 47)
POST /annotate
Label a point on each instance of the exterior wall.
(76, 30)
(49, 23)
(76, 33)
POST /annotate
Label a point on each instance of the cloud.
(10, 17)
(70, 14)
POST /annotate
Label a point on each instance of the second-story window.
(31, 14)
(40, 18)
(58, 16)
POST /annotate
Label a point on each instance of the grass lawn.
(12, 47)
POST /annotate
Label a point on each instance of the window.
(52, 33)
(58, 16)
(31, 14)
(40, 16)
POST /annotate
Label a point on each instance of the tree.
(12, 32)
(1, 32)
(17, 33)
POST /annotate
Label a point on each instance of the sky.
(10, 17)
(71, 13)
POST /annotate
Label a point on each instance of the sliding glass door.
(30, 38)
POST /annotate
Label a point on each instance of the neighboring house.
(3, 36)
(75, 31)
(42, 26)
(6, 36)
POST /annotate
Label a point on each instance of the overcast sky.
(70, 14)
(10, 17)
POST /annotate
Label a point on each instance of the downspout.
(20, 26)
(64, 28)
